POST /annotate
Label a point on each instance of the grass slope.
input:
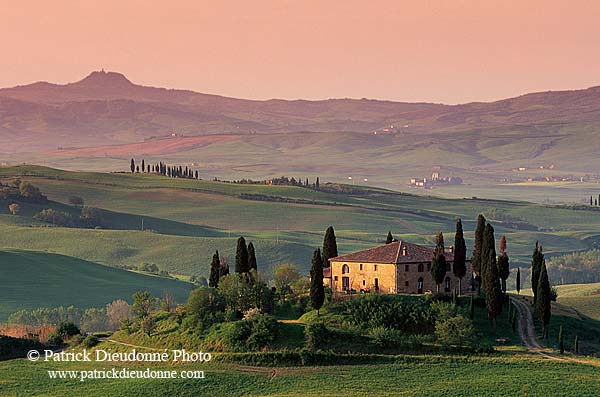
(212, 210)
(414, 376)
(32, 279)
(176, 254)
(583, 298)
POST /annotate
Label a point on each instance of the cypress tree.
(252, 265)
(489, 276)
(132, 166)
(438, 262)
(317, 183)
(241, 256)
(460, 255)
(215, 271)
(542, 303)
(143, 165)
(389, 239)
(536, 266)
(576, 344)
(317, 291)
(518, 280)
(329, 246)
(561, 340)
(503, 264)
(252, 257)
(477, 246)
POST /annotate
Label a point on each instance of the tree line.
(160, 168)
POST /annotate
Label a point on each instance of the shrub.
(59, 218)
(317, 335)
(385, 337)
(76, 340)
(232, 335)
(264, 330)
(243, 335)
(55, 339)
(90, 341)
(205, 299)
(231, 315)
(443, 310)
(67, 329)
(456, 330)
(409, 314)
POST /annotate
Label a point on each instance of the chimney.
(404, 250)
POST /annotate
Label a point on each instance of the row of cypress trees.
(245, 263)
(165, 170)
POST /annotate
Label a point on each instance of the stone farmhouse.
(396, 268)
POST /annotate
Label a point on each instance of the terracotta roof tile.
(395, 253)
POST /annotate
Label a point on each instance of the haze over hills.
(108, 105)
(77, 126)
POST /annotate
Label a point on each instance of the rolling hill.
(32, 279)
(189, 219)
(98, 123)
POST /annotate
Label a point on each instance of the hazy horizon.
(441, 52)
(283, 98)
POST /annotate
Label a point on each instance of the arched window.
(345, 269)
(420, 285)
(420, 268)
(447, 284)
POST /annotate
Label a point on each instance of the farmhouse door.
(345, 283)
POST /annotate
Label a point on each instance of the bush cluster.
(257, 332)
(412, 315)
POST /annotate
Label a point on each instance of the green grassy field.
(360, 220)
(33, 279)
(185, 221)
(584, 298)
(410, 376)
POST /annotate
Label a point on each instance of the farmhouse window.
(406, 268)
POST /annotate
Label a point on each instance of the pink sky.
(438, 51)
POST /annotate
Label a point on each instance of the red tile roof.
(392, 253)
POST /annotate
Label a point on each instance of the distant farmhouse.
(436, 179)
(396, 268)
